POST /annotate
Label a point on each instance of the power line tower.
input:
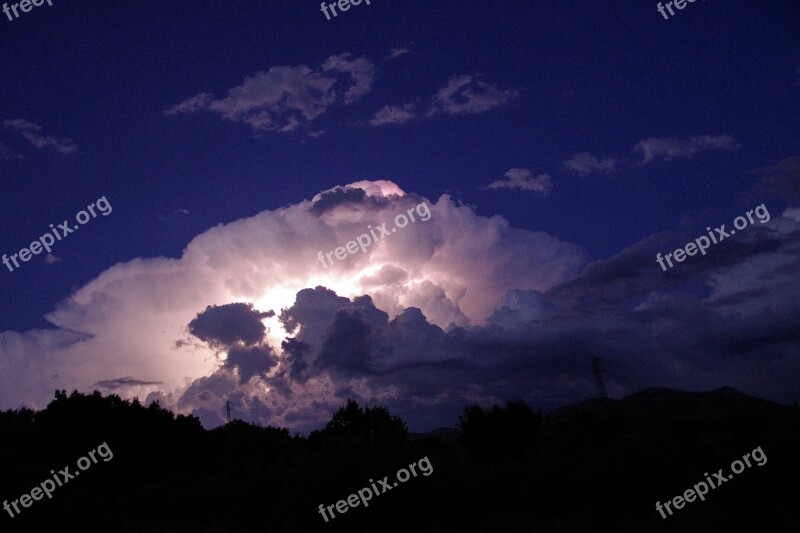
(598, 377)
(228, 409)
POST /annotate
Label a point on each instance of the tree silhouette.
(352, 420)
(499, 434)
(584, 467)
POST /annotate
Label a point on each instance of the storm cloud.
(249, 316)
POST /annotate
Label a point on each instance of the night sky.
(559, 146)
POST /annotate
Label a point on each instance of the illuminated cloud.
(458, 309)
(141, 317)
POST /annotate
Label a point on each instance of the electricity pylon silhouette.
(228, 409)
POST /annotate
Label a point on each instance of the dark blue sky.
(710, 96)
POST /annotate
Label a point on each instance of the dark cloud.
(782, 180)
(295, 354)
(330, 200)
(124, 382)
(208, 390)
(237, 329)
(250, 360)
(222, 325)
(336, 328)
(701, 326)
(631, 275)
(348, 347)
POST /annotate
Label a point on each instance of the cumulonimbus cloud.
(457, 309)
(141, 317)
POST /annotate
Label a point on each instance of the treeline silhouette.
(596, 466)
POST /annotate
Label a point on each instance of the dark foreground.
(598, 466)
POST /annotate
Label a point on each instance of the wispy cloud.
(8, 153)
(462, 95)
(522, 179)
(361, 71)
(467, 95)
(50, 259)
(32, 132)
(190, 105)
(781, 180)
(585, 163)
(397, 52)
(285, 98)
(651, 149)
(670, 147)
(393, 115)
